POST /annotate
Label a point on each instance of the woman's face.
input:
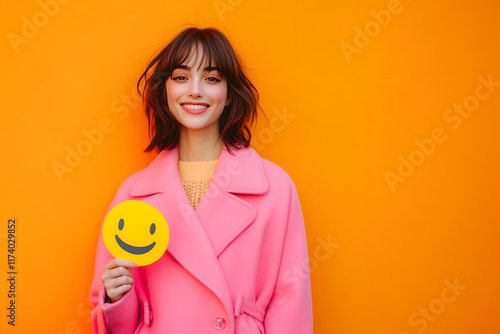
(196, 97)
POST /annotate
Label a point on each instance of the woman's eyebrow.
(206, 69)
(212, 68)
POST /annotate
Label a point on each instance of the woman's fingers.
(113, 283)
(115, 272)
(116, 291)
(120, 263)
(117, 267)
(117, 278)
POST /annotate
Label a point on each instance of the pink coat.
(238, 263)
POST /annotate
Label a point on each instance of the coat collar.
(240, 171)
(198, 237)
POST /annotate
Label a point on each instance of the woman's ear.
(228, 100)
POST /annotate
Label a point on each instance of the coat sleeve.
(290, 307)
(117, 317)
(122, 315)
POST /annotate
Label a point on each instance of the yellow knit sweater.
(195, 177)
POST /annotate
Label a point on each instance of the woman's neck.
(199, 145)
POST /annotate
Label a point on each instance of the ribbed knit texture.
(195, 177)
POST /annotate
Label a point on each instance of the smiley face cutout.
(136, 231)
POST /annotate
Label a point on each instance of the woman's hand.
(117, 278)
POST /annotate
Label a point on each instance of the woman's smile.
(195, 108)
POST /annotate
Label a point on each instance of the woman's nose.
(195, 88)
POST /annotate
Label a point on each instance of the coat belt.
(244, 306)
(241, 306)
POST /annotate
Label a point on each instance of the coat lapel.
(198, 237)
(223, 215)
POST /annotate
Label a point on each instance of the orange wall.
(402, 187)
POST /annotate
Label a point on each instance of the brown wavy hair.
(236, 117)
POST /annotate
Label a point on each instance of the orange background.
(351, 120)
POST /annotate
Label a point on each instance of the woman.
(237, 259)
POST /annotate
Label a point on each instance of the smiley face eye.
(152, 229)
(120, 224)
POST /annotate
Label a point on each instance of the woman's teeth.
(195, 106)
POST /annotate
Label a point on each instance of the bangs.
(213, 57)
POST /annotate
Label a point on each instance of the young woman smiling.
(237, 259)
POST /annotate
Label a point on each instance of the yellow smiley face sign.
(136, 231)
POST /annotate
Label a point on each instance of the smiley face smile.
(136, 231)
(133, 249)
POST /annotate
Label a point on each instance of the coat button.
(220, 323)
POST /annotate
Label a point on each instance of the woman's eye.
(213, 79)
(180, 77)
